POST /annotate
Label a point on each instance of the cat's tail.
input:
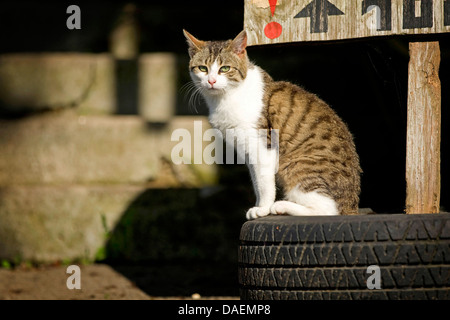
(300, 203)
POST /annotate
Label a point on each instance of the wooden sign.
(281, 21)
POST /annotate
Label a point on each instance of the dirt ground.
(98, 282)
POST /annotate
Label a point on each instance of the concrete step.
(66, 179)
(53, 223)
(63, 147)
(53, 81)
(90, 84)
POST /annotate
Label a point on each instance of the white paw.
(257, 212)
(280, 207)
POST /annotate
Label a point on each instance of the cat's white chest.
(241, 107)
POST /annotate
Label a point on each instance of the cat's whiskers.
(193, 91)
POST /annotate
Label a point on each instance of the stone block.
(67, 179)
(157, 86)
(51, 81)
(51, 223)
(62, 147)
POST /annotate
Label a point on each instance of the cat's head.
(217, 66)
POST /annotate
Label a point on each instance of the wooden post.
(423, 129)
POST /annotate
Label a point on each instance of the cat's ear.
(239, 44)
(194, 44)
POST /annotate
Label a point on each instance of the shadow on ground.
(182, 241)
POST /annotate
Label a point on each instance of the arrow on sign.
(318, 11)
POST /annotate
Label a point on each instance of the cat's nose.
(211, 81)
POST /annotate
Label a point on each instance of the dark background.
(365, 81)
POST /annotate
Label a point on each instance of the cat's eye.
(203, 68)
(224, 69)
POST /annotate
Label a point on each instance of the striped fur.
(317, 156)
(317, 152)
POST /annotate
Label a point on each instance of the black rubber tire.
(304, 258)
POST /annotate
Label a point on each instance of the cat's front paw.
(257, 212)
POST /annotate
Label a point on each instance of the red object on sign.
(273, 4)
(273, 30)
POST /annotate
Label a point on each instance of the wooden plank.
(283, 21)
(423, 129)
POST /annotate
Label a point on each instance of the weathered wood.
(321, 20)
(423, 129)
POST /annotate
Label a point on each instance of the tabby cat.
(314, 161)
